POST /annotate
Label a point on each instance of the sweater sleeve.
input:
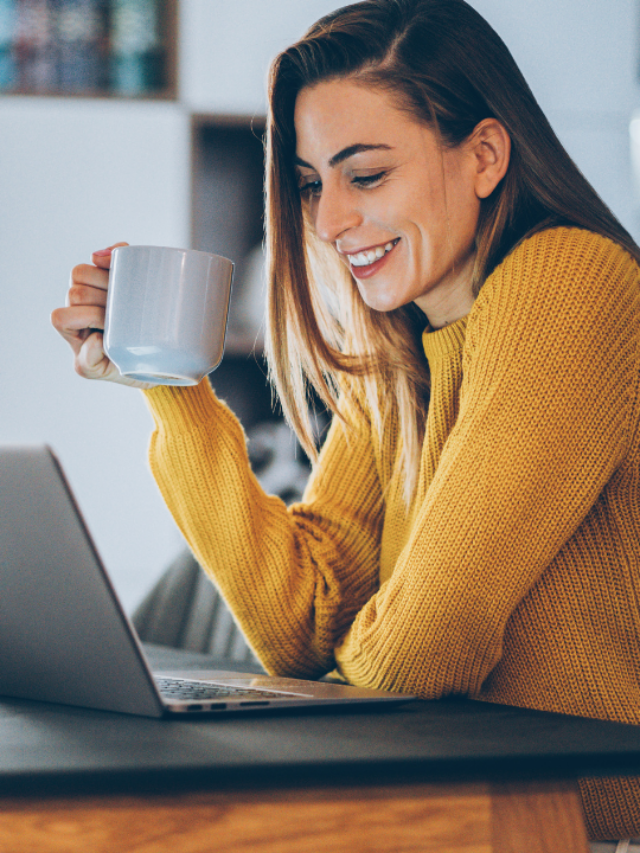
(293, 577)
(550, 370)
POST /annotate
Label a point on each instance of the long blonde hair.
(446, 66)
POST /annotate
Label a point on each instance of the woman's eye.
(368, 180)
(310, 188)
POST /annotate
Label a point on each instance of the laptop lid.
(63, 632)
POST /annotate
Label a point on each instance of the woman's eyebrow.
(347, 152)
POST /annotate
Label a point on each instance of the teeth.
(363, 259)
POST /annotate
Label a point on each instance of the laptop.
(65, 637)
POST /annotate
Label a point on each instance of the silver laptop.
(64, 636)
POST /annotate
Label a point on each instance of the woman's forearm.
(294, 578)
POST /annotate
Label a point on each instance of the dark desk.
(451, 775)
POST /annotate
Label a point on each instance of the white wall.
(582, 60)
(77, 174)
(226, 48)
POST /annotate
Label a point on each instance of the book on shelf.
(83, 46)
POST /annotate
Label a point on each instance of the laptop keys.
(197, 691)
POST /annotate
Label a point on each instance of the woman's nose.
(335, 213)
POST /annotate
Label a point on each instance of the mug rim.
(173, 249)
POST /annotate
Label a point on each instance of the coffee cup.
(166, 314)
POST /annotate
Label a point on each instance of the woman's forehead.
(334, 116)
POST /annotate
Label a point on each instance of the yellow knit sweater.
(514, 576)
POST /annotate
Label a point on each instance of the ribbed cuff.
(184, 407)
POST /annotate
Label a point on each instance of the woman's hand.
(81, 321)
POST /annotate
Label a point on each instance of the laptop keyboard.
(198, 691)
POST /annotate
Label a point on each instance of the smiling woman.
(401, 211)
(467, 307)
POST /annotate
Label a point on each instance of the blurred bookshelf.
(227, 201)
(227, 207)
(101, 48)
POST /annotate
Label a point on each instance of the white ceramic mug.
(166, 313)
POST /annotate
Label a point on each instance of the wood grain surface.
(538, 818)
(523, 818)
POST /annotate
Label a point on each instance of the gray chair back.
(184, 610)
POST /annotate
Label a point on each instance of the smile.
(370, 256)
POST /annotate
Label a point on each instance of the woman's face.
(401, 211)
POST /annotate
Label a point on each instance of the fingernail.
(102, 252)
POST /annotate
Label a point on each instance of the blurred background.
(140, 120)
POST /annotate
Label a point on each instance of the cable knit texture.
(514, 576)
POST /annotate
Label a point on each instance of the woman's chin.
(382, 299)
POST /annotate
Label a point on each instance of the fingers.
(82, 319)
(75, 323)
(87, 285)
(89, 280)
(85, 303)
(102, 258)
(83, 294)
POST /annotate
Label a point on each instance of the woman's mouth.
(369, 261)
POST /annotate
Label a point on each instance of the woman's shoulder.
(568, 243)
(554, 285)
(563, 263)
(565, 249)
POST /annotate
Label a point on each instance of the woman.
(468, 308)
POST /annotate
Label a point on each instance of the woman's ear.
(490, 146)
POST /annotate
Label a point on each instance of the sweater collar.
(437, 343)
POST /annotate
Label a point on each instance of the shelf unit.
(89, 48)
(227, 174)
(227, 178)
